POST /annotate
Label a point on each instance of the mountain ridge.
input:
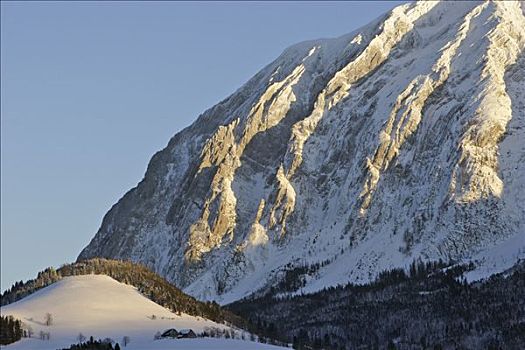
(329, 154)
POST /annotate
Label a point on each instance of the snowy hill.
(402, 140)
(99, 306)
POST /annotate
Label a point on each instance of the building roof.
(185, 331)
(169, 331)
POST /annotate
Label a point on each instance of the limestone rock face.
(402, 140)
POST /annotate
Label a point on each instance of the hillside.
(147, 282)
(399, 141)
(429, 307)
(99, 306)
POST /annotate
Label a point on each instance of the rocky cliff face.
(401, 140)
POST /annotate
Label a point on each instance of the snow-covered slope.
(99, 306)
(401, 140)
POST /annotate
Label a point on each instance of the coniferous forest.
(10, 330)
(429, 307)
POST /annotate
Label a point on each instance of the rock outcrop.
(402, 140)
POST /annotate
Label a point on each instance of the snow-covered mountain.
(398, 141)
(99, 306)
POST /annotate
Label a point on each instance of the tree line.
(10, 330)
(92, 344)
(147, 282)
(429, 306)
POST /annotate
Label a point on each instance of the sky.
(91, 90)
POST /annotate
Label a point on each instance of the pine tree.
(391, 345)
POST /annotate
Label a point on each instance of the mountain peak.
(398, 141)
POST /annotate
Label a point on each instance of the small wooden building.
(187, 333)
(170, 333)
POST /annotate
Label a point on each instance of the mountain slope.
(398, 141)
(99, 306)
(428, 308)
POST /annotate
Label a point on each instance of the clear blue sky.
(89, 91)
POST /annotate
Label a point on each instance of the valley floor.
(149, 344)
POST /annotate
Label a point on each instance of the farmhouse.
(187, 333)
(170, 333)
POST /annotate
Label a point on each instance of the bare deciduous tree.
(48, 319)
(108, 341)
(81, 338)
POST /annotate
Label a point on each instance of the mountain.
(99, 306)
(400, 141)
